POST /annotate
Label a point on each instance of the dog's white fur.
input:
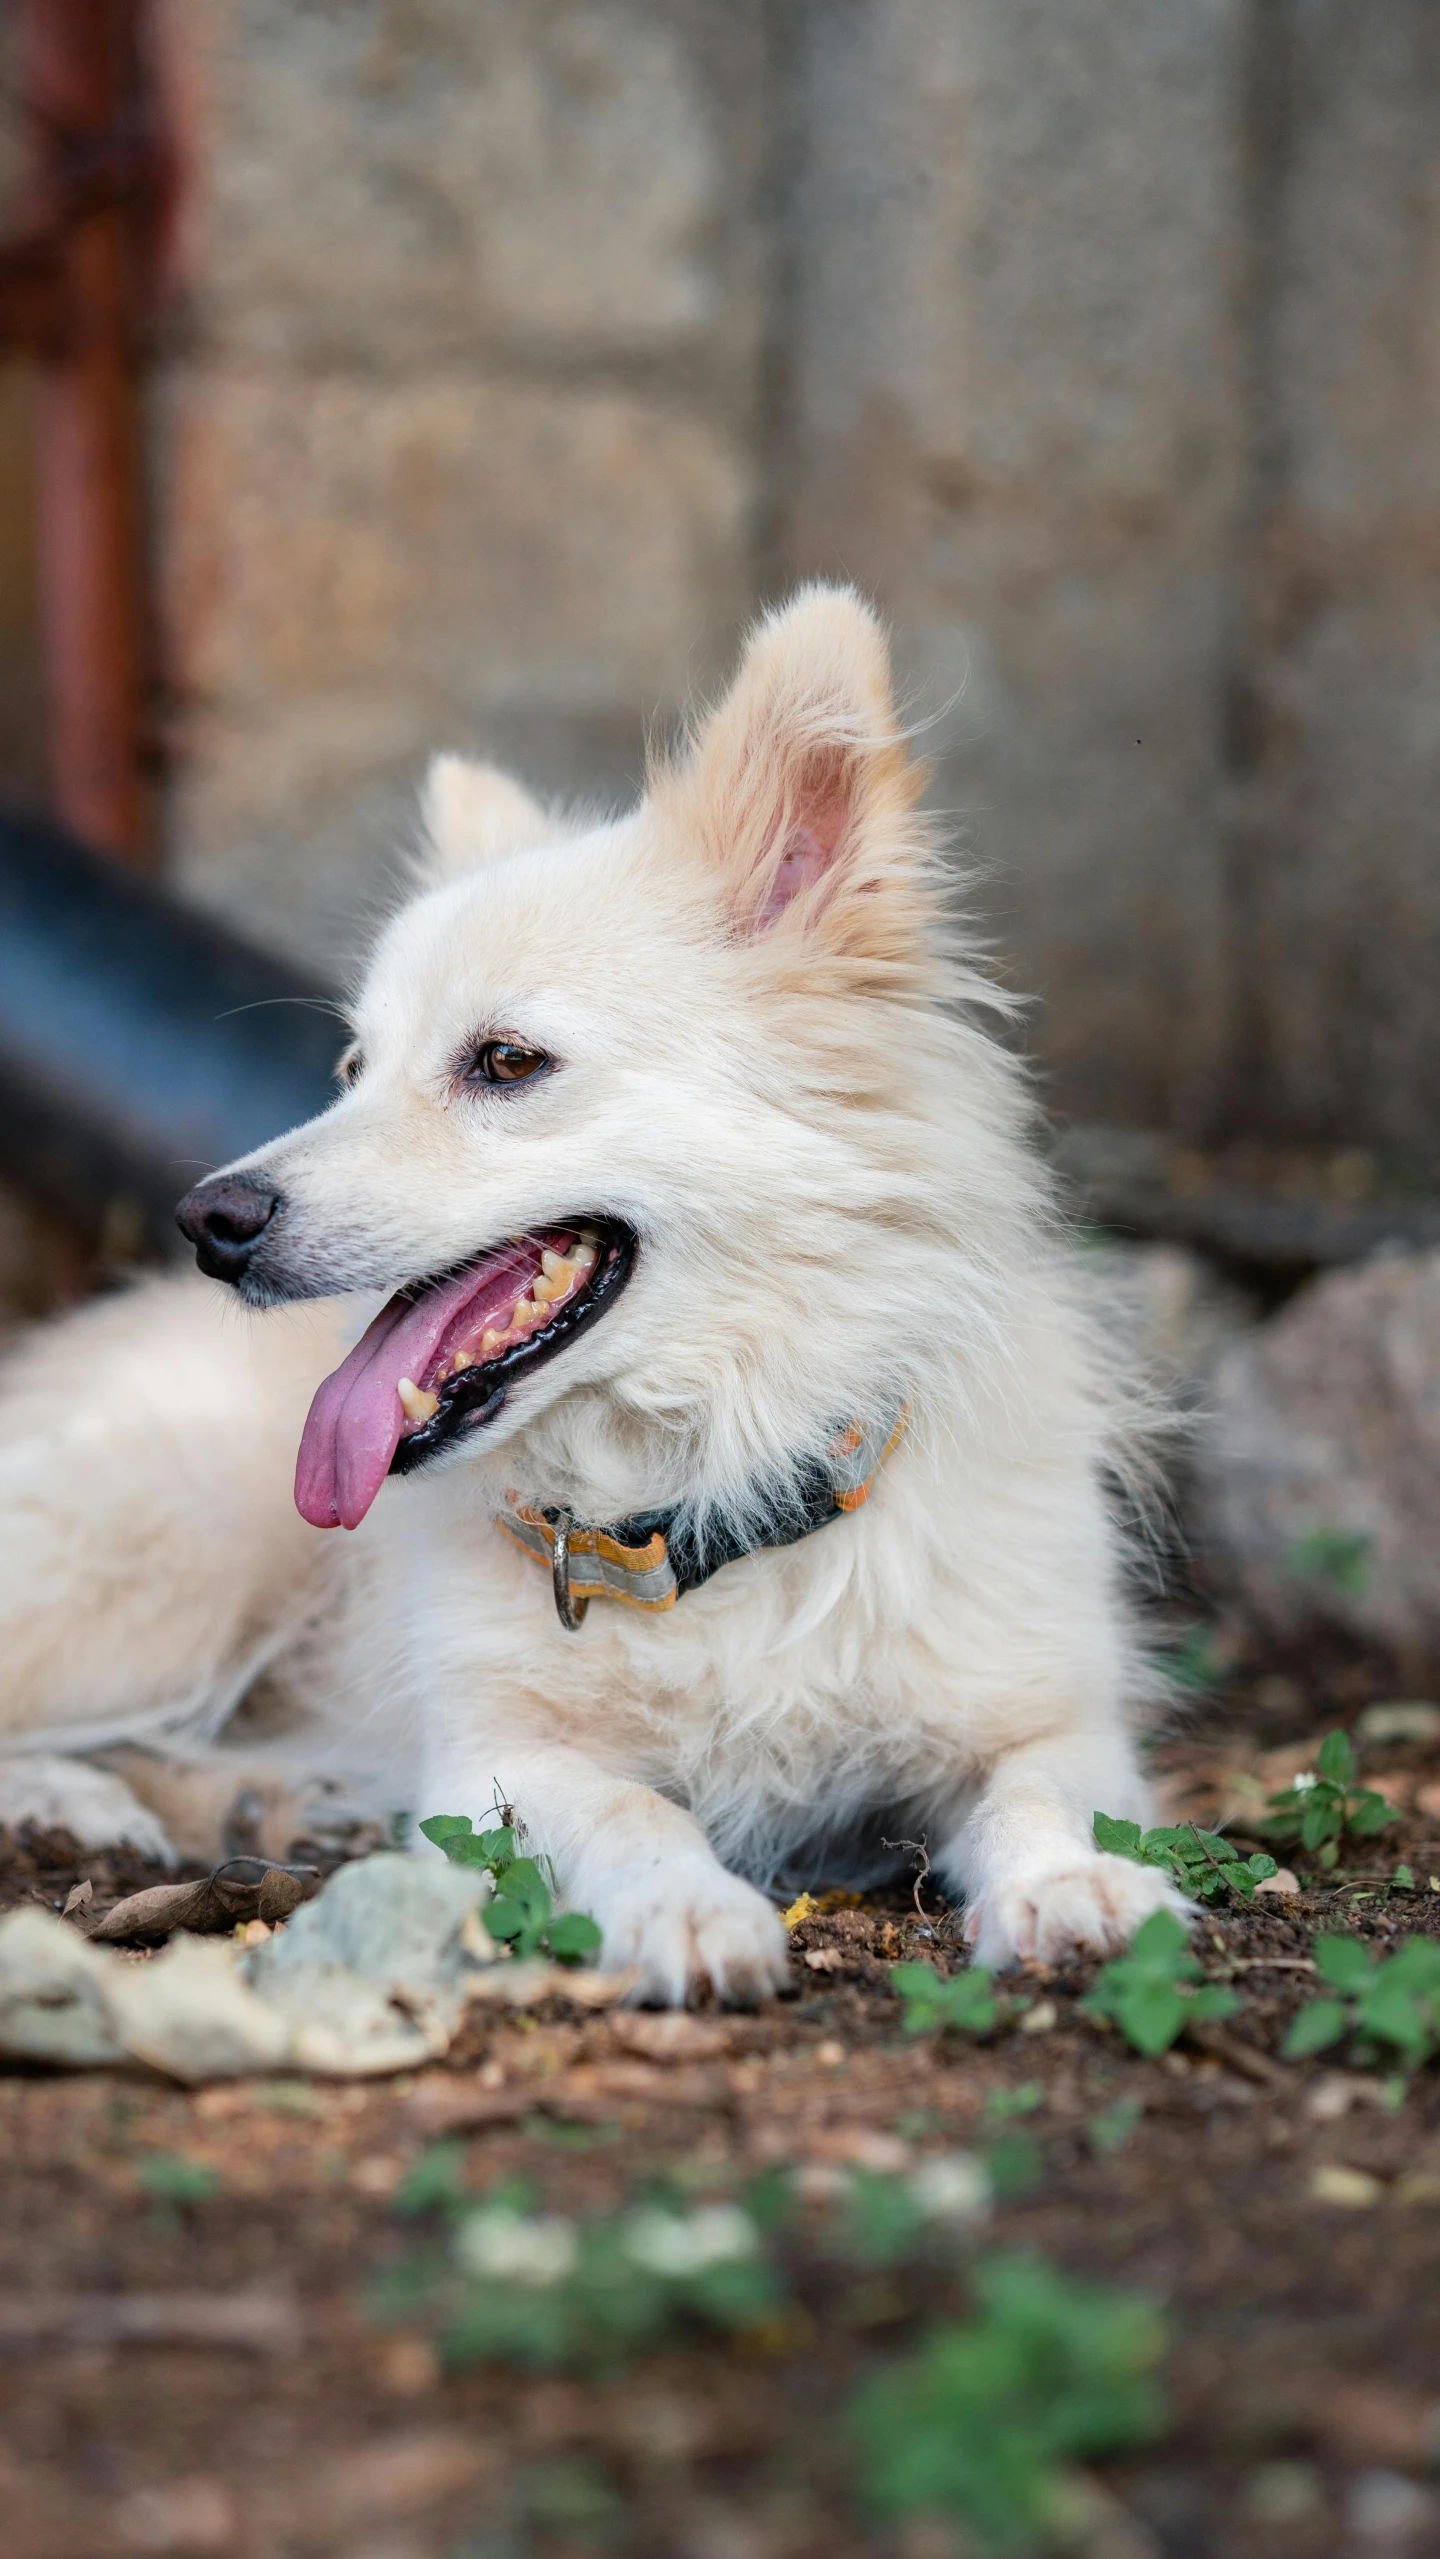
(773, 1061)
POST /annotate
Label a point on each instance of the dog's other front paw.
(93, 1804)
(1089, 1904)
(688, 1926)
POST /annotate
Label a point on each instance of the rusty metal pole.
(77, 67)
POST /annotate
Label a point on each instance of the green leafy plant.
(506, 2282)
(521, 1912)
(168, 2177)
(511, 2284)
(1325, 1553)
(984, 2423)
(965, 2004)
(885, 2218)
(1150, 1992)
(1108, 2131)
(1383, 2001)
(1201, 1862)
(1196, 1663)
(1318, 1808)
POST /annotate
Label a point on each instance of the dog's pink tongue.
(353, 1427)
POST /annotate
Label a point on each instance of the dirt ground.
(268, 2412)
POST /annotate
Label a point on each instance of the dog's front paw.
(1089, 1904)
(93, 1804)
(688, 1926)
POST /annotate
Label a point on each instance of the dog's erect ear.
(473, 812)
(799, 785)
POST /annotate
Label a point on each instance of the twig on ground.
(921, 1871)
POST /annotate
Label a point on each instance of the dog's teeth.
(583, 1256)
(524, 1313)
(491, 1341)
(463, 1359)
(553, 1264)
(418, 1401)
(548, 1286)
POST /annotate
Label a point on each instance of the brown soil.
(1304, 2374)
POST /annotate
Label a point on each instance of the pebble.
(1352, 2188)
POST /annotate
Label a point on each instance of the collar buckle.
(569, 1610)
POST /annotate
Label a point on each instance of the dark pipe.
(141, 1045)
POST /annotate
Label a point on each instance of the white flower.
(515, 2247)
(952, 2187)
(1303, 1783)
(680, 2244)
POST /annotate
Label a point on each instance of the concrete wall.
(1016, 416)
(1335, 885)
(529, 342)
(457, 441)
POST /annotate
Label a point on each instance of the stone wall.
(528, 343)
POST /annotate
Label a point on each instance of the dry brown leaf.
(244, 1888)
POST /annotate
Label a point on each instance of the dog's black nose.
(225, 1221)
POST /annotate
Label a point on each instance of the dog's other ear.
(800, 786)
(473, 812)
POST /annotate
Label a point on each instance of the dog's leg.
(230, 1802)
(1024, 1854)
(94, 1804)
(150, 1551)
(638, 1864)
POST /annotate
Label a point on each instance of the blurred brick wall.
(528, 343)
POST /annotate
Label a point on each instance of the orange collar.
(653, 1558)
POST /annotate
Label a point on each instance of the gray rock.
(1317, 1469)
(1170, 1313)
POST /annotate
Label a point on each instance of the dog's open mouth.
(439, 1360)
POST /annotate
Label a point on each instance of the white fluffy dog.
(706, 1201)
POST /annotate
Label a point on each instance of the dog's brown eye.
(504, 1062)
(351, 1064)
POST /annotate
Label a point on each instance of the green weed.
(511, 2284)
(168, 2177)
(984, 2422)
(1002, 2103)
(1201, 1862)
(1325, 1802)
(1108, 2131)
(1196, 1663)
(1150, 1992)
(965, 2004)
(1339, 1556)
(1386, 2001)
(521, 1912)
(504, 2282)
(885, 2219)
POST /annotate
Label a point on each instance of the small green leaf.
(1119, 1838)
(572, 1937)
(454, 1833)
(965, 2003)
(1339, 1556)
(1317, 2027)
(1344, 1961)
(1213, 2001)
(171, 2178)
(1110, 2130)
(1319, 1818)
(1369, 1813)
(436, 2182)
(1162, 1934)
(1337, 1759)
